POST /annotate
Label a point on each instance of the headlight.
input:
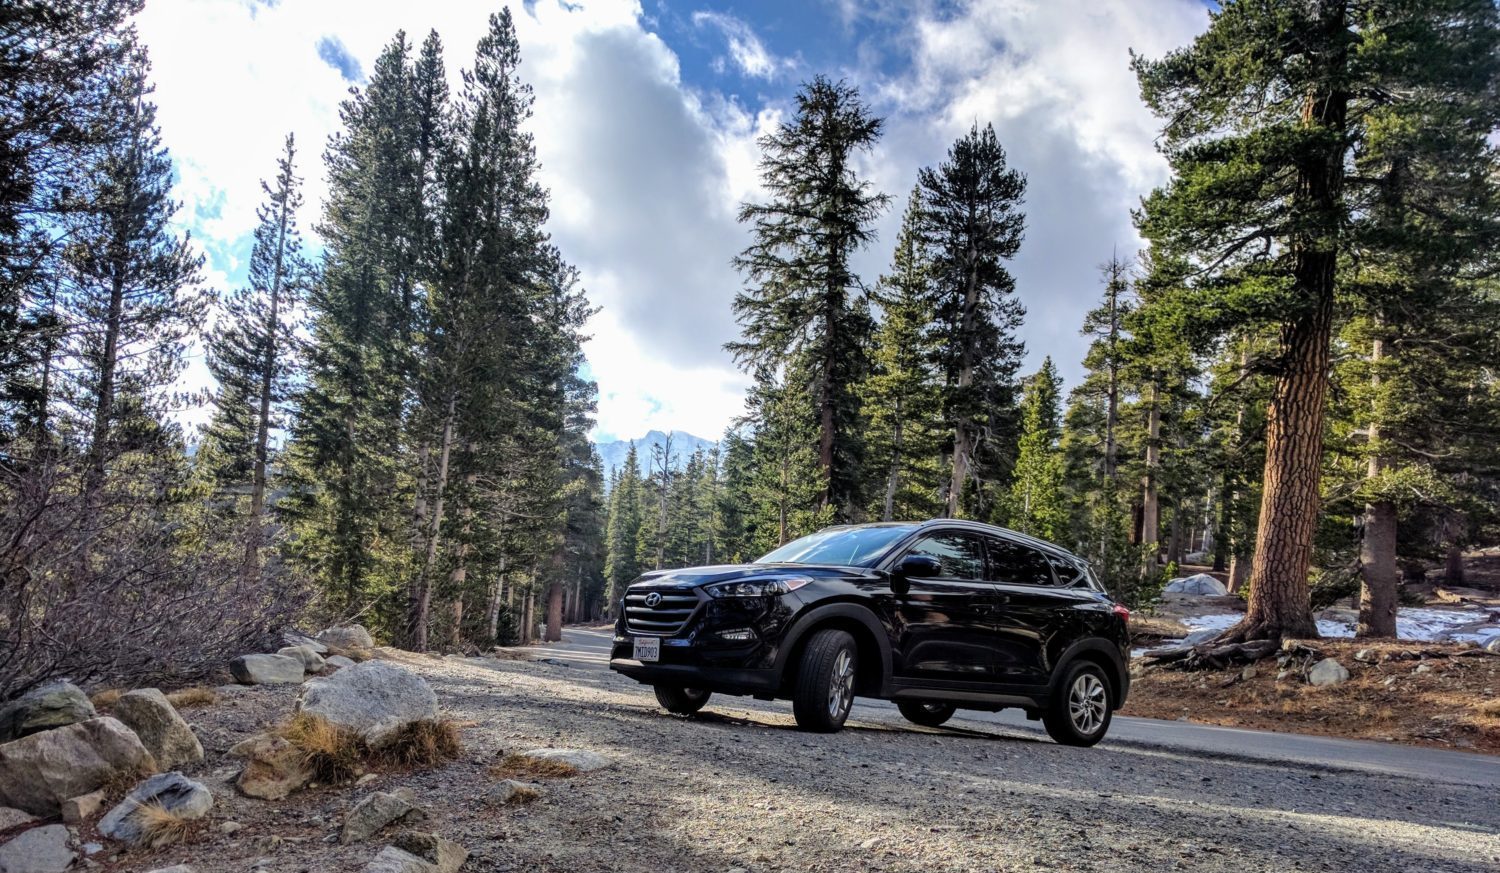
(758, 587)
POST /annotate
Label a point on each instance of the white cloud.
(745, 47)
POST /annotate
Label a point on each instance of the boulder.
(39, 850)
(351, 636)
(378, 810)
(266, 670)
(14, 818)
(39, 772)
(375, 699)
(419, 853)
(174, 793)
(1327, 672)
(273, 769)
(297, 638)
(162, 731)
(76, 809)
(54, 705)
(1199, 585)
(339, 662)
(312, 662)
(581, 760)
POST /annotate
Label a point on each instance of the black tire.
(679, 700)
(825, 681)
(926, 713)
(1080, 712)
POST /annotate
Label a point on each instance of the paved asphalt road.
(589, 649)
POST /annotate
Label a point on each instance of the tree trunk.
(1454, 572)
(1174, 536)
(253, 530)
(1279, 604)
(963, 445)
(1377, 551)
(1150, 502)
(420, 602)
(1239, 572)
(104, 402)
(893, 476)
(554, 613)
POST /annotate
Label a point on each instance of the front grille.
(665, 618)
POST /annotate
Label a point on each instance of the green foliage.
(1037, 503)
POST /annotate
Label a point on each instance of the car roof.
(975, 526)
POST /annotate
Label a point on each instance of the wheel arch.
(873, 645)
(1106, 656)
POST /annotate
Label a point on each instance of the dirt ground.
(739, 789)
(1449, 702)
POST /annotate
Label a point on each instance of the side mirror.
(914, 567)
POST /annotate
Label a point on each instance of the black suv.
(937, 616)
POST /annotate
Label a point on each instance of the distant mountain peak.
(613, 452)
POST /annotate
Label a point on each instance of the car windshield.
(841, 546)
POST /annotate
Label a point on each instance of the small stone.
(508, 790)
(1283, 675)
(230, 827)
(376, 811)
(274, 767)
(365, 780)
(93, 848)
(76, 809)
(312, 661)
(1364, 655)
(581, 760)
(445, 855)
(1493, 645)
(1327, 672)
(348, 637)
(14, 818)
(1248, 673)
(39, 850)
(1423, 667)
(266, 670)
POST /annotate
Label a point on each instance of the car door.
(945, 624)
(1029, 618)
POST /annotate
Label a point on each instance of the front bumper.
(724, 680)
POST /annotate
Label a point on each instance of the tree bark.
(1454, 571)
(963, 444)
(1377, 552)
(554, 613)
(420, 602)
(254, 525)
(1150, 501)
(1239, 572)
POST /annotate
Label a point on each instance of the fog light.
(738, 635)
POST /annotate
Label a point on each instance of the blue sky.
(646, 118)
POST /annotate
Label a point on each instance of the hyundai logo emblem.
(653, 599)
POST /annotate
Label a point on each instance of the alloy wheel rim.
(841, 689)
(1087, 703)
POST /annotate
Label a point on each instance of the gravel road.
(739, 789)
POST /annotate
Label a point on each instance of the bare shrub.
(333, 754)
(424, 744)
(516, 766)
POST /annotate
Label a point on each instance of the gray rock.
(1493, 645)
(14, 818)
(378, 810)
(1202, 635)
(347, 637)
(339, 662)
(419, 853)
(173, 792)
(581, 760)
(39, 772)
(54, 705)
(509, 790)
(1423, 667)
(273, 769)
(1327, 672)
(376, 699)
(76, 809)
(39, 850)
(297, 638)
(162, 731)
(266, 670)
(1200, 585)
(312, 662)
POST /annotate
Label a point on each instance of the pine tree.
(1266, 115)
(971, 224)
(625, 505)
(782, 490)
(1037, 505)
(254, 354)
(132, 294)
(800, 314)
(901, 394)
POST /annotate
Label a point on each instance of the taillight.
(1122, 612)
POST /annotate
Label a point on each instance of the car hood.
(696, 577)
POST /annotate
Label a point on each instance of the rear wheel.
(1079, 714)
(825, 681)
(680, 700)
(927, 713)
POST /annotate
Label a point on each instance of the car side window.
(961, 555)
(1018, 564)
(1069, 574)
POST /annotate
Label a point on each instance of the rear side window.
(1070, 574)
(961, 555)
(1017, 564)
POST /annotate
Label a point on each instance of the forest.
(1294, 380)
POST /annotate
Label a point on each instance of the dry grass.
(160, 826)
(518, 766)
(1489, 708)
(103, 700)
(424, 744)
(332, 753)
(188, 698)
(524, 795)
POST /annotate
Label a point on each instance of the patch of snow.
(1412, 623)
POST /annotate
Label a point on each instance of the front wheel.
(1079, 714)
(682, 701)
(926, 714)
(825, 682)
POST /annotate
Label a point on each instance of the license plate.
(647, 649)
